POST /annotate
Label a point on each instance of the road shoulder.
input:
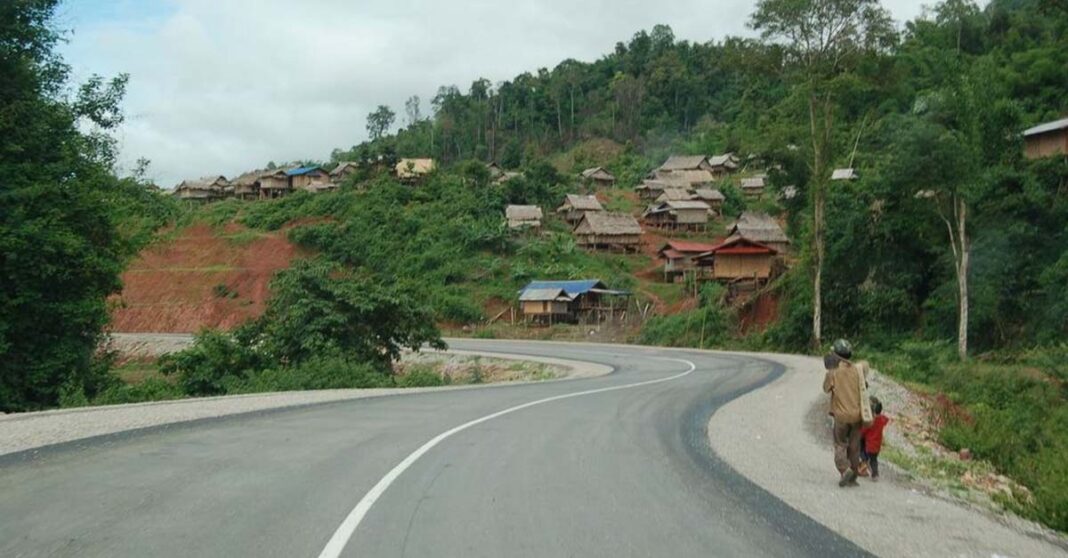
(25, 432)
(778, 438)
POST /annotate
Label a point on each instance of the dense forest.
(934, 107)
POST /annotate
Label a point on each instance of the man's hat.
(842, 348)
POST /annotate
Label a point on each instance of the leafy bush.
(318, 308)
(214, 359)
(707, 325)
(222, 290)
(151, 389)
(420, 377)
(329, 372)
(1012, 415)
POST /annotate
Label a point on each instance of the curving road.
(617, 465)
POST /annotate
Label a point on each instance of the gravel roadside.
(779, 438)
(26, 431)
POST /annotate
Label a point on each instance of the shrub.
(420, 377)
(1007, 414)
(214, 359)
(152, 389)
(330, 372)
(704, 326)
(222, 290)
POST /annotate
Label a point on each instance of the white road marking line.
(348, 527)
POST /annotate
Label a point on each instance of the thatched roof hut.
(651, 189)
(247, 185)
(576, 205)
(753, 186)
(762, 228)
(343, 170)
(726, 160)
(316, 187)
(687, 178)
(678, 214)
(677, 163)
(599, 175)
(601, 229)
(506, 176)
(674, 194)
(413, 169)
(205, 188)
(711, 196)
(523, 216)
(274, 183)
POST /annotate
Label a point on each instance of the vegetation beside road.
(1010, 409)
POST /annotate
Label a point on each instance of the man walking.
(844, 382)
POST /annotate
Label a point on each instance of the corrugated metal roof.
(685, 246)
(1046, 127)
(555, 293)
(575, 287)
(738, 245)
(843, 174)
(301, 171)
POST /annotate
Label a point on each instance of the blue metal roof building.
(573, 288)
(300, 171)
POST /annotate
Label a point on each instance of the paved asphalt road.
(622, 472)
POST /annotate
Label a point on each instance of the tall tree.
(413, 110)
(379, 121)
(60, 251)
(824, 40)
(961, 145)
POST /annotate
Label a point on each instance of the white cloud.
(223, 86)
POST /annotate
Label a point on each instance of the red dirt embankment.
(757, 314)
(203, 278)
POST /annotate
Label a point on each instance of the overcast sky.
(224, 86)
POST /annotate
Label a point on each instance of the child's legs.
(873, 463)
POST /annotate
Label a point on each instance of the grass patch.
(1008, 410)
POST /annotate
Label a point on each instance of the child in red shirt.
(871, 438)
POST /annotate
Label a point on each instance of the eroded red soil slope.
(203, 278)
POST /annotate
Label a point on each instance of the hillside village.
(678, 203)
(676, 213)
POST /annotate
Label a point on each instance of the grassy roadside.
(1008, 411)
(141, 380)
